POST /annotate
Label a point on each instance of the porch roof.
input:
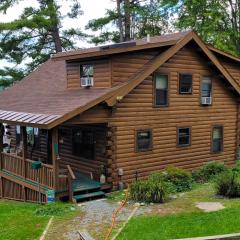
(42, 100)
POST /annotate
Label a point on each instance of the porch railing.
(22, 167)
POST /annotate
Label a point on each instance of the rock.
(210, 206)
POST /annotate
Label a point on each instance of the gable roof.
(161, 59)
(42, 100)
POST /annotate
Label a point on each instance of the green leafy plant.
(209, 171)
(155, 189)
(228, 184)
(180, 178)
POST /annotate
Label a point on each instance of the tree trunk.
(57, 39)
(120, 24)
(54, 28)
(127, 20)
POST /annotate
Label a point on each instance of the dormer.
(88, 74)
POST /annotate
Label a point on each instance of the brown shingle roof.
(156, 41)
(44, 92)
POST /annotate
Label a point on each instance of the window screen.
(217, 139)
(206, 87)
(185, 83)
(184, 136)
(143, 140)
(161, 89)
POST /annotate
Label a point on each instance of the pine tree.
(31, 39)
(131, 19)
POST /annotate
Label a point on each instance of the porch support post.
(1, 150)
(1, 143)
(55, 158)
(24, 148)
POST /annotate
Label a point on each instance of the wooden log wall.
(136, 111)
(39, 151)
(101, 69)
(77, 163)
(126, 65)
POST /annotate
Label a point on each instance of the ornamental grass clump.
(227, 184)
(209, 171)
(154, 189)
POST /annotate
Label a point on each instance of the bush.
(228, 184)
(180, 178)
(209, 171)
(155, 189)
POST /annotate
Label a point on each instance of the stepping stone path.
(209, 206)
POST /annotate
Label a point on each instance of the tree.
(129, 20)
(216, 21)
(31, 39)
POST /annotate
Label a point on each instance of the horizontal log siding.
(126, 65)
(39, 151)
(101, 71)
(136, 111)
(85, 166)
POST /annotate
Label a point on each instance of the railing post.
(55, 158)
(24, 149)
(1, 143)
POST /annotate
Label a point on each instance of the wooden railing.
(71, 178)
(23, 168)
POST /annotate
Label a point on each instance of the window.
(86, 70)
(83, 143)
(184, 135)
(217, 139)
(143, 140)
(185, 83)
(206, 87)
(161, 89)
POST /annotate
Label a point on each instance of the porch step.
(88, 195)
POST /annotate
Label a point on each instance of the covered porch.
(76, 163)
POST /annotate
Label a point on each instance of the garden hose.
(115, 214)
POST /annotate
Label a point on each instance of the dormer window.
(86, 75)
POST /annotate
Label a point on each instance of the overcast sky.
(91, 8)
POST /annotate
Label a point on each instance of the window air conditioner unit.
(87, 81)
(206, 100)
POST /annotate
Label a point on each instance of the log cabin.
(91, 120)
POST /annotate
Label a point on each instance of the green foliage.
(54, 209)
(33, 37)
(209, 171)
(146, 17)
(180, 178)
(155, 189)
(228, 184)
(217, 22)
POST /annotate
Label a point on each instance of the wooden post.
(55, 159)
(1, 150)
(24, 149)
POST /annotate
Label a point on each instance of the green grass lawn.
(181, 218)
(183, 225)
(26, 221)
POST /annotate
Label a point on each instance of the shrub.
(228, 184)
(180, 178)
(209, 171)
(155, 189)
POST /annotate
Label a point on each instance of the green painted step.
(88, 195)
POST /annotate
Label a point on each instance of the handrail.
(71, 177)
(71, 172)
